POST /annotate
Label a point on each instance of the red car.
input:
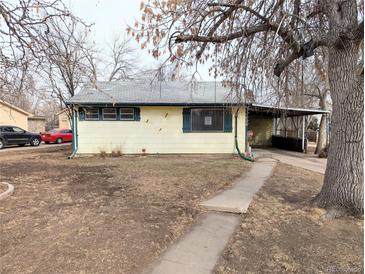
(57, 135)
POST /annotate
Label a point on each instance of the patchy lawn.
(93, 215)
(281, 233)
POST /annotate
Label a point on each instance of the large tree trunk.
(343, 183)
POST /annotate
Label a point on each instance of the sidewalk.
(198, 251)
(302, 160)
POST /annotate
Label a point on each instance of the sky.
(110, 18)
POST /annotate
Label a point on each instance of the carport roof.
(273, 111)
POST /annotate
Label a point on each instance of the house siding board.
(11, 116)
(158, 131)
(64, 120)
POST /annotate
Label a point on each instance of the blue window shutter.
(227, 120)
(81, 115)
(186, 120)
(137, 114)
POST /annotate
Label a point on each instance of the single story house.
(168, 117)
(36, 123)
(15, 116)
(64, 119)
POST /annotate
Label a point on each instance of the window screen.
(92, 114)
(109, 114)
(207, 119)
(127, 114)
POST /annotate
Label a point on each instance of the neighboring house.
(170, 117)
(37, 124)
(64, 119)
(12, 115)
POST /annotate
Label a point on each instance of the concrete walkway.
(238, 198)
(302, 160)
(198, 251)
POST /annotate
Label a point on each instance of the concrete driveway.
(307, 161)
(13, 149)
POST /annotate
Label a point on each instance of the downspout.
(75, 142)
(244, 157)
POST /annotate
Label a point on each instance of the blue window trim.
(116, 113)
(136, 114)
(187, 121)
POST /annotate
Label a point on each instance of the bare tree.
(121, 64)
(23, 22)
(245, 38)
(68, 58)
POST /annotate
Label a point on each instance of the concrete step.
(238, 198)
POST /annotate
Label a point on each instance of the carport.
(280, 127)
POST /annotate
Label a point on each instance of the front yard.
(282, 233)
(116, 215)
(94, 215)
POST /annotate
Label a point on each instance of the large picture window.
(127, 114)
(109, 114)
(207, 120)
(92, 114)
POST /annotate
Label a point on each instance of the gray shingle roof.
(143, 93)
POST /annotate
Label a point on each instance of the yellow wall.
(63, 120)
(11, 116)
(156, 133)
(262, 131)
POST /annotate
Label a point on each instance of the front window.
(207, 120)
(127, 114)
(109, 114)
(18, 130)
(92, 114)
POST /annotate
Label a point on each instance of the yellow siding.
(63, 120)
(11, 116)
(158, 131)
(262, 131)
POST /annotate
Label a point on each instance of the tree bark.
(343, 183)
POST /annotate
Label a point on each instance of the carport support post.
(303, 129)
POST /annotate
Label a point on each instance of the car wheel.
(1, 143)
(35, 142)
(59, 141)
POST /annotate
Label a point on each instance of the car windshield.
(53, 130)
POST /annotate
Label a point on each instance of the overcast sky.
(110, 18)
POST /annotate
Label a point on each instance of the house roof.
(61, 111)
(37, 118)
(164, 93)
(2, 102)
(177, 93)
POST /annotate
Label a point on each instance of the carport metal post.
(303, 124)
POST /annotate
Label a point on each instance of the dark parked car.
(12, 135)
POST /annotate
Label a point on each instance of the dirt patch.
(3, 187)
(93, 215)
(281, 233)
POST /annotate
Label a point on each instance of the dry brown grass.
(282, 233)
(95, 215)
